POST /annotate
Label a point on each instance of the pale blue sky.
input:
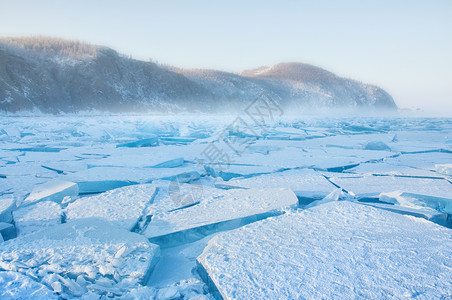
(403, 46)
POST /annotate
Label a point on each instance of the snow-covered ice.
(336, 250)
(162, 178)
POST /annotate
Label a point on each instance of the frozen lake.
(183, 207)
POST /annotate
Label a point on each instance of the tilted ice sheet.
(122, 207)
(101, 257)
(337, 250)
(7, 205)
(218, 206)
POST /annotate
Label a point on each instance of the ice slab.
(7, 205)
(103, 258)
(36, 217)
(122, 207)
(216, 206)
(305, 183)
(7, 231)
(52, 191)
(17, 286)
(367, 185)
(337, 250)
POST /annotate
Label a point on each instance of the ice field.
(225, 207)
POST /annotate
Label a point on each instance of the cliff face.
(52, 76)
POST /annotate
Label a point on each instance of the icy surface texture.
(336, 250)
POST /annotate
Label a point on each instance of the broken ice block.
(336, 250)
(150, 142)
(215, 207)
(6, 208)
(7, 231)
(89, 249)
(52, 191)
(36, 217)
(122, 207)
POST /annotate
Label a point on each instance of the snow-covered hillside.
(54, 75)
